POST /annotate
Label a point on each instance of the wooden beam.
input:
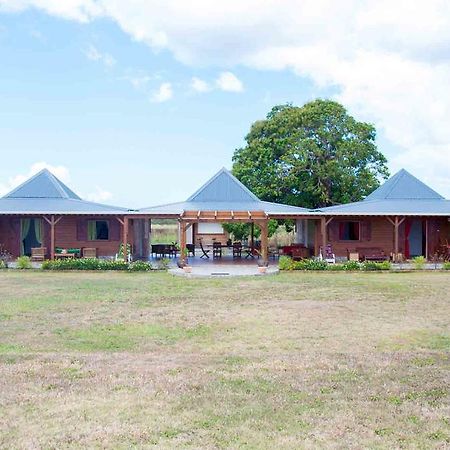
(215, 214)
(125, 238)
(249, 214)
(390, 220)
(120, 221)
(183, 242)
(232, 214)
(329, 220)
(264, 241)
(198, 214)
(323, 230)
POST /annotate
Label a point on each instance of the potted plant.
(184, 262)
(262, 266)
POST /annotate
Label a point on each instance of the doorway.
(31, 235)
(416, 239)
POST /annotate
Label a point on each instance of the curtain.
(38, 230)
(92, 230)
(24, 229)
(408, 224)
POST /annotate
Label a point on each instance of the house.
(403, 217)
(223, 198)
(44, 212)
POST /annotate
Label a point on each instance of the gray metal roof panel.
(267, 207)
(424, 207)
(403, 186)
(55, 206)
(43, 185)
(223, 187)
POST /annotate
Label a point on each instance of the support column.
(52, 222)
(183, 243)
(426, 239)
(323, 231)
(252, 237)
(125, 238)
(265, 242)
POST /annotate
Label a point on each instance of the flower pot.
(187, 269)
(262, 269)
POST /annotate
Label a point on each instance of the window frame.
(95, 222)
(343, 222)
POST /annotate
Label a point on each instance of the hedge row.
(97, 264)
(287, 263)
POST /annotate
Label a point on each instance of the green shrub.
(352, 265)
(3, 264)
(419, 262)
(96, 264)
(373, 266)
(24, 262)
(285, 263)
(140, 266)
(84, 264)
(163, 264)
(310, 264)
(446, 266)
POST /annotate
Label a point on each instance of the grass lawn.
(298, 360)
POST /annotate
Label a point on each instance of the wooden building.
(44, 212)
(224, 199)
(401, 219)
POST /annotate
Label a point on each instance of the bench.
(371, 254)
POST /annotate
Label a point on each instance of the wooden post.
(252, 237)
(426, 238)
(52, 222)
(183, 242)
(125, 238)
(396, 237)
(265, 242)
(323, 231)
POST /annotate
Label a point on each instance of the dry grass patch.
(299, 360)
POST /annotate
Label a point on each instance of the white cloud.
(60, 172)
(199, 85)
(229, 82)
(163, 93)
(99, 195)
(94, 54)
(388, 61)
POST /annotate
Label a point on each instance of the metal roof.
(42, 185)
(45, 194)
(224, 192)
(403, 186)
(402, 194)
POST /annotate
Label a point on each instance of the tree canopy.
(312, 156)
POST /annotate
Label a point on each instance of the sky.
(138, 103)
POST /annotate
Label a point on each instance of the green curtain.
(38, 230)
(24, 229)
(92, 230)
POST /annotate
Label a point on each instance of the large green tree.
(315, 155)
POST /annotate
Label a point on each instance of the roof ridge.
(232, 177)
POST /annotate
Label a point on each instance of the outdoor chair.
(274, 252)
(217, 249)
(191, 249)
(38, 253)
(204, 251)
(237, 249)
(328, 255)
(89, 252)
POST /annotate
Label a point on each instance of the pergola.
(224, 199)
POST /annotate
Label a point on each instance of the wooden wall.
(70, 232)
(378, 232)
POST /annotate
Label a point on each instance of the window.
(98, 230)
(349, 231)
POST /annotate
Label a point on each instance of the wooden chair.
(191, 249)
(89, 252)
(237, 249)
(204, 251)
(217, 249)
(38, 253)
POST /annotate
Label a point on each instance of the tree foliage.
(312, 156)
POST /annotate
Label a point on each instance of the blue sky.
(119, 118)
